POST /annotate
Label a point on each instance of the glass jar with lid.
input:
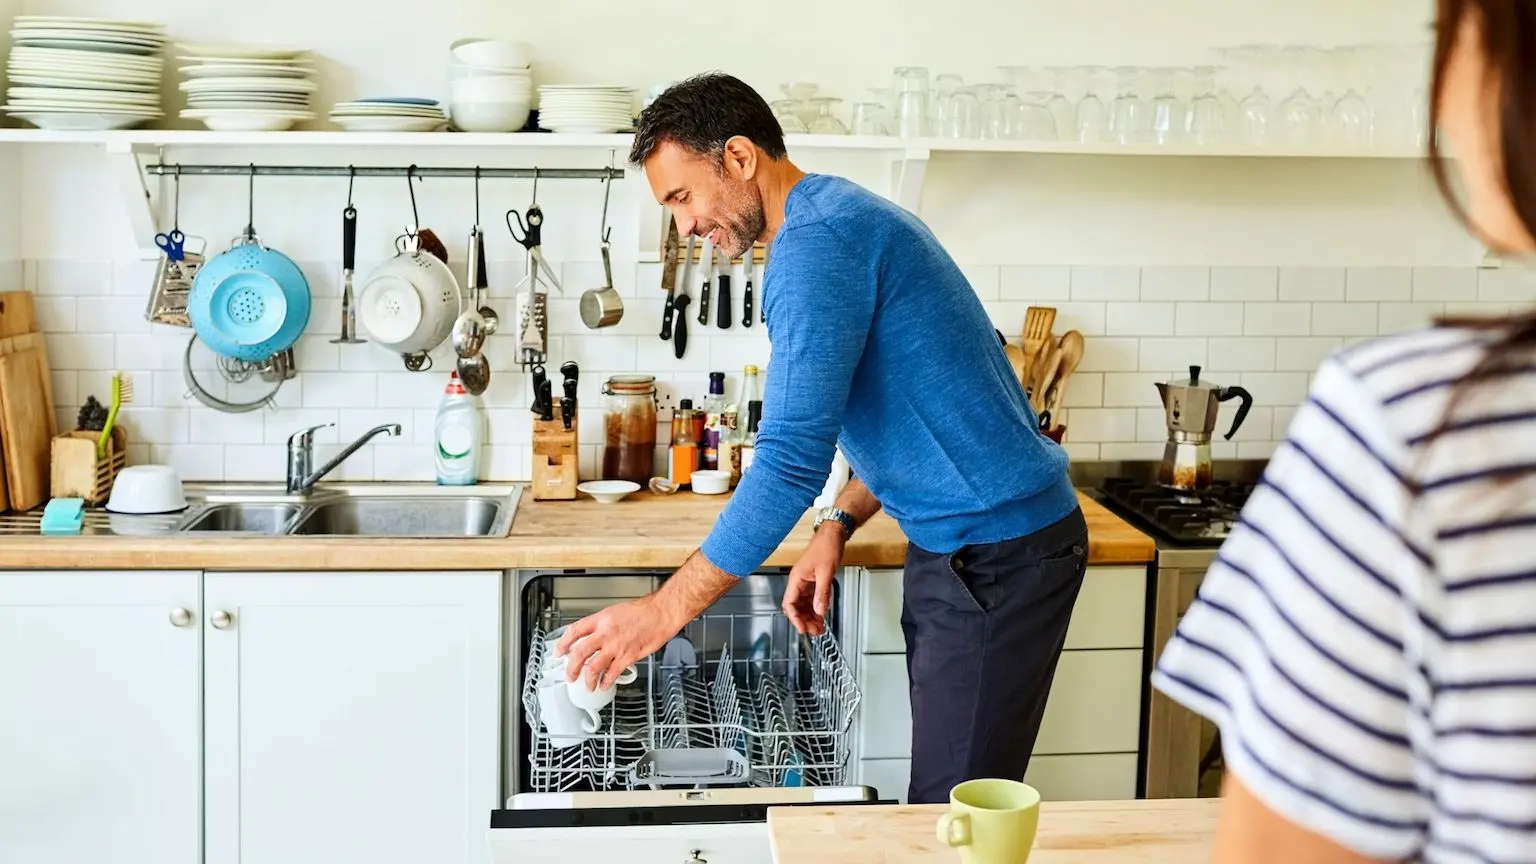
(629, 428)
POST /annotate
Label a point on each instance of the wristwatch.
(833, 514)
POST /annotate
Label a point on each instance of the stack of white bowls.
(80, 74)
(490, 85)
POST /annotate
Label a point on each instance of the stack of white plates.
(84, 74)
(389, 114)
(247, 88)
(579, 108)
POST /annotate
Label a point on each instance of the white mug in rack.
(594, 701)
(566, 724)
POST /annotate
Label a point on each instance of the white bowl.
(142, 489)
(711, 482)
(492, 52)
(489, 116)
(490, 88)
(458, 70)
(608, 491)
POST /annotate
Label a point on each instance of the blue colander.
(250, 302)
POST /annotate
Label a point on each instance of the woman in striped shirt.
(1366, 640)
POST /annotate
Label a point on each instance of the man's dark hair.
(702, 113)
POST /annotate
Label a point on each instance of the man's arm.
(857, 501)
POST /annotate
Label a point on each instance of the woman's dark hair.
(1508, 32)
(702, 113)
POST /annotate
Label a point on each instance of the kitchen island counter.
(643, 531)
(1168, 831)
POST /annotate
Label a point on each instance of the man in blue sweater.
(880, 346)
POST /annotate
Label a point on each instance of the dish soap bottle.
(460, 435)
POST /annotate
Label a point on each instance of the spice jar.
(629, 428)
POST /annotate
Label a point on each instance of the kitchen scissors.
(174, 243)
(532, 239)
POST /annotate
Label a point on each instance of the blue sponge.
(64, 516)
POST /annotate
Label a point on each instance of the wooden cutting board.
(26, 433)
(18, 313)
(1168, 831)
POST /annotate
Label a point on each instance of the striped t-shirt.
(1366, 640)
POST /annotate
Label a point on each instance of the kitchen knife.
(746, 297)
(708, 255)
(546, 400)
(723, 311)
(538, 390)
(680, 337)
(572, 372)
(669, 277)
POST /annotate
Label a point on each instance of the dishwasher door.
(744, 683)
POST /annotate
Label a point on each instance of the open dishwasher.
(738, 714)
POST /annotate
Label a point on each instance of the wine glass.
(824, 123)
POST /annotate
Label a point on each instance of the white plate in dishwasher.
(694, 826)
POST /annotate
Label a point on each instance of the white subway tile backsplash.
(1245, 284)
(1176, 283)
(208, 426)
(729, 355)
(1151, 424)
(1209, 319)
(654, 354)
(1276, 388)
(1159, 355)
(1478, 308)
(1511, 284)
(1257, 426)
(1139, 319)
(340, 390)
(984, 279)
(1255, 449)
(1304, 354)
(415, 389)
(1084, 390)
(155, 425)
(1079, 451)
(1106, 283)
(1277, 319)
(1037, 285)
(1119, 451)
(280, 425)
(1444, 283)
(55, 314)
(146, 351)
(1110, 355)
(72, 351)
(72, 278)
(193, 462)
(1284, 416)
(1344, 319)
(1132, 389)
(1379, 284)
(357, 467)
(1103, 424)
(1400, 317)
(66, 393)
(402, 462)
(255, 463)
(1311, 283)
(133, 277)
(1252, 353)
(318, 354)
(1090, 319)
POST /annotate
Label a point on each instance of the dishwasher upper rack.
(788, 716)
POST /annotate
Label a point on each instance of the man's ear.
(740, 157)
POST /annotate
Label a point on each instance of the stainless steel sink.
(407, 517)
(354, 510)
(243, 517)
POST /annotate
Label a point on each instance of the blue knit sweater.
(880, 346)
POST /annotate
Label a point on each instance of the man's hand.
(605, 643)
(809, 591)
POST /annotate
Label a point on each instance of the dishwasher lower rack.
(783, 713)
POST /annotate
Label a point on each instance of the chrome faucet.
(301, 455)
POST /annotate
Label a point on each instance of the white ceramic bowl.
(608, 491)
(141, 489)
(491, 88)
(711, 482)
(506, 53)
(457, 71)
(489, 116)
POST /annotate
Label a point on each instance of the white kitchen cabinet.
(351, 716)
(100, 733)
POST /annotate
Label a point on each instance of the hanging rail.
(164, 169)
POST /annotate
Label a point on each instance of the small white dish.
(592, 702)
(145, 489)
(608, 491)
(711, 482)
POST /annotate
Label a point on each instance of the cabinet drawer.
(1110, 612)
(1090, 777)
(1095, 704)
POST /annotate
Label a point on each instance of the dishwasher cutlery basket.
(783, 713)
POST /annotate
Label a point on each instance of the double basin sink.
(356, 511)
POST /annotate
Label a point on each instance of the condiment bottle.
(684, 454)
(749, 447)
(714, 410)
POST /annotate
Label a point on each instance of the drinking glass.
(1067, 90)
(963, 117)
(1091, 122)
(941, 101)
(1170, 115)
(1300, 114)
(869, 119)
(911, 89)
(1255, 119)
(1131, 119)
(1037, 123)
(1000, 112)
(824, 123)
(787, 112)
(1350, 122)
(1207, 116)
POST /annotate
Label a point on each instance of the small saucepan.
(602, 307)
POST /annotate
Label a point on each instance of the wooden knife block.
(556, 459)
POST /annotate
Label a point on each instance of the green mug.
(991, 821)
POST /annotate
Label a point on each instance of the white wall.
(1253, 268)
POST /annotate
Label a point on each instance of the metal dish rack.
(786, 707)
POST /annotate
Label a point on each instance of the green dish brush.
(122, 392)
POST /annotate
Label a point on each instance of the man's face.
(707, 199)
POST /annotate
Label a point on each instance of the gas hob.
(1203, 518)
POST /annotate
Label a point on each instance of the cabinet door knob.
(181, 617)
(222, 620)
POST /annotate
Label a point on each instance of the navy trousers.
(984, 628)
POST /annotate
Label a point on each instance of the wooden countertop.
(1165, 831)
(643, 530)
